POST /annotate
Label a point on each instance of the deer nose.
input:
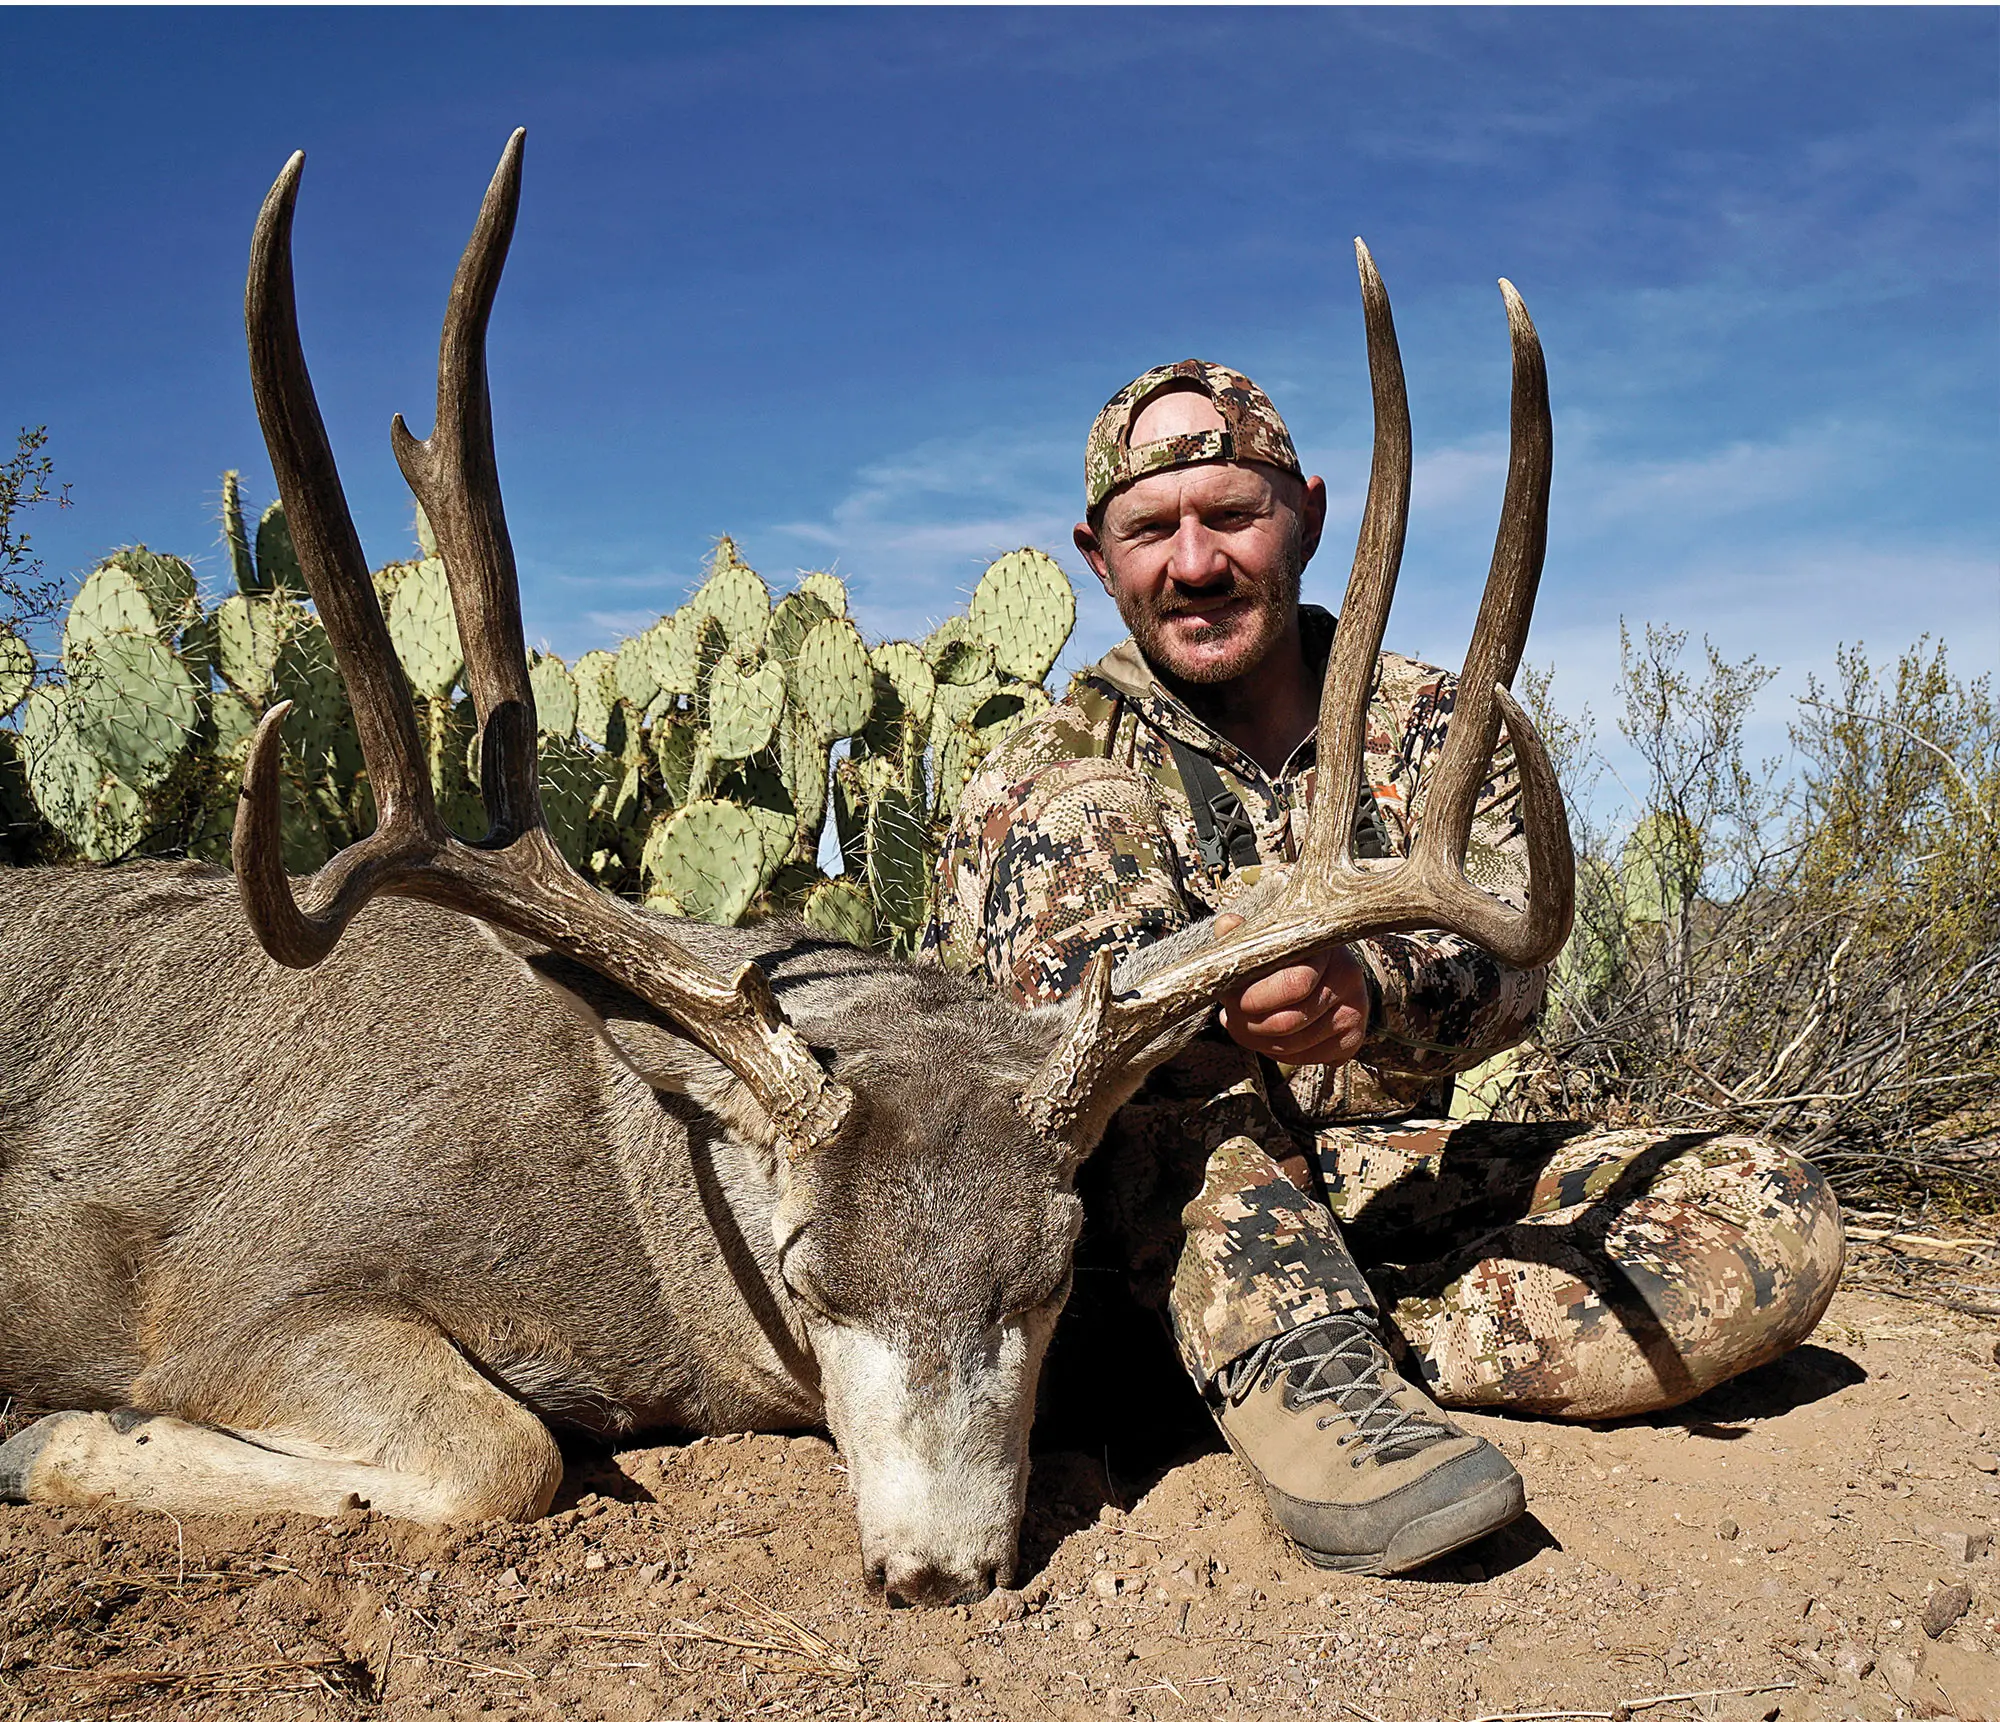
(924, 1584)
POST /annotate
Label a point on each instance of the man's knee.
(1736, 1256)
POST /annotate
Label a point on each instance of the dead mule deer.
(514, 1152)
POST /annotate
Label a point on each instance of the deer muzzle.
(935, 1436)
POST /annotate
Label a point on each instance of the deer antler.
(515, 877)
(1327, 899)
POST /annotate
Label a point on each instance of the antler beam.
(515, 876)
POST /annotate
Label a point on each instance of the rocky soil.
(1812, 1542)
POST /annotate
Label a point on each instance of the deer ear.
(645, 1040)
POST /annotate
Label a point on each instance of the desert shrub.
(1806, 947)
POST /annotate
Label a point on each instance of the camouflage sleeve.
(1037, 879)
(1444, 1004)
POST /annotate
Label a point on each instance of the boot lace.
(1337, 1358)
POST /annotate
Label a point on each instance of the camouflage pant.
(1552, 1269)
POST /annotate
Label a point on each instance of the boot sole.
(1435, 1535)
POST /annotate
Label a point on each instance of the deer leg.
(366, 1413)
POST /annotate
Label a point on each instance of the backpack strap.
(1221, 822)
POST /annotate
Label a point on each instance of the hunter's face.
(1203, 562)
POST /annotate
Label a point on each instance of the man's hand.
(1313, 1011)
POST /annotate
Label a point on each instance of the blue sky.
(849, 285)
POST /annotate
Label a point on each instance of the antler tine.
(1504, 610)
(336, 572)
(516, 878)
(1371, 586)
(456, 477)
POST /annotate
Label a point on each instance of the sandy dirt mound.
(1819, 1531)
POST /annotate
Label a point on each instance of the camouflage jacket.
(1076, 836)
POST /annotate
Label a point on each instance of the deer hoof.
(18, 1456)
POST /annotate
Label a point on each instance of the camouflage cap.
(1252, 429)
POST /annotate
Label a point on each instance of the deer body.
(211, 1166)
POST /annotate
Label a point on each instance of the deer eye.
(1047, 1300)
(799, 1281)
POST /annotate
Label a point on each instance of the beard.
(1188, 648)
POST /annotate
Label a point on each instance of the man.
(1552, 1270)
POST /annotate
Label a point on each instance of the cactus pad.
(555, 696)
(708, 858)
(899, 860)
(827, 588)
(424, 630)
(17, 669)
(832, 681)
(73, 791)
(135, 707)
(909, 673)
(737, 598)
(249, 633)
(744, 706)
(235, 536)
(573, 777)
(111, 602)
(841, 910)
(277, 561)
(1024, 609)
(791, 621)
(675, 742)
(596, 689)
(167, 581)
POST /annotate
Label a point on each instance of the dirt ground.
(1818, 1533)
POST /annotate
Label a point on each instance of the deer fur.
(291, 1240)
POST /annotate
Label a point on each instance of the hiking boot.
(1360, 1469)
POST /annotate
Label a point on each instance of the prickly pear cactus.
(555, 696)
(1024, 609)
(234, 535)
(424, 629)
(693, 764)
(704, 860)
(277, 561)
(744, 706)
(17, 669)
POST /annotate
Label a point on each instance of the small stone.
(511, 1578)
(1947, 1603)
(1729, 1530)
(1854, 1660)
(1985, 1462)
(1104, 1585)
(1118, 1705)
(1899, 1673)
(1538, 1451)
(1083, 1629)
(1004, 1605)
(1962, 1542)
(1747, 1708)
(650, 1572)
(593, 1563)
